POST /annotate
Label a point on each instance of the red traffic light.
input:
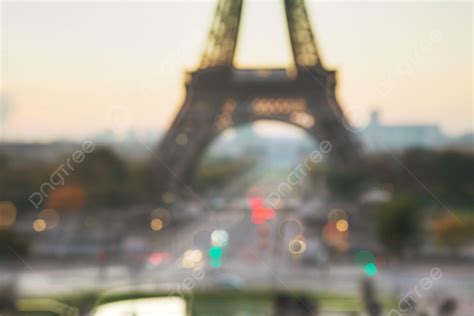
(260, 213)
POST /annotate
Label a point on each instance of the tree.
(449, 174)
(19, 181)
(453, 231)
(12, 245)
(140, 184)
(399, 224)
(102, 175)
(347, 182)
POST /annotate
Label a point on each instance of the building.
(379, 137)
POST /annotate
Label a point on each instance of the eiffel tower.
(219, 96)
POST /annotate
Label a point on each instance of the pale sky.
(71, 69)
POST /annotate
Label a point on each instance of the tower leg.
(179, 152)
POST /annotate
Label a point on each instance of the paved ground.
(247, 262)
(246, 265)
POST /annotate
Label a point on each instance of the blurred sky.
(71, 69)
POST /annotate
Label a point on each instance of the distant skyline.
(72, 69)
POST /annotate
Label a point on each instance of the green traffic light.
(215, 252)
(370, 269)
(216, 263)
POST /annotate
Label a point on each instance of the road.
(247, 261)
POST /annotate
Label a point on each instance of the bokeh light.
(367, 261)
(215, 254)
(219, 238)
(342, 225)
(335, 232)
(156, 224)
(157, 258)
(191, 258)
(297, 246)
(7, 214)
(370, 269)
(259, 212)
(334, 237)
(39, 225)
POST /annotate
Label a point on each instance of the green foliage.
(219, 172)
(399, 224)
(347, 183)
(454, 230)
(139, 186)
(106, 179)
(102, 174)
(19, 181)
(12, 245)
(448, 174)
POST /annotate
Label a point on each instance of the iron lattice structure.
(219, 96)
